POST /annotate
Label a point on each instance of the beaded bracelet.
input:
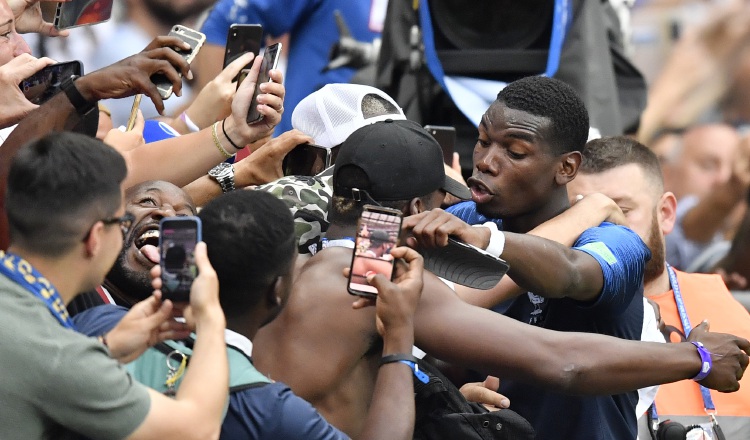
(218, 143)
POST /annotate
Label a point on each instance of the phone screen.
(241, 39)
(308, 160)
(270, 59)
(377, 234)
(43, 85)
(192, 37)
(73, 13)
(177, 239)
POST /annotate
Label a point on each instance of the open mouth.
(479, 191)
(148, 244)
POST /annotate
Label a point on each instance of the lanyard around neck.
(708, 403)
(23, 273)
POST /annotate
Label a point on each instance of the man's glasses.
(125, 222)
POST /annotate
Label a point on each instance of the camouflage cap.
(308, 198)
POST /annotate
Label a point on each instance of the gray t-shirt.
(54, 381)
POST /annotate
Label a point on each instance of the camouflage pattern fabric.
(308, 198)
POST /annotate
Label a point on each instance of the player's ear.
(568, 167)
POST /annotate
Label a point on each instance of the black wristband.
(227, 136)
(398, 357)
(80, 103)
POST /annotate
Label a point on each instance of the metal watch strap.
(224, 175)
(80, 103)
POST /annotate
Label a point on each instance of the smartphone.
(270, 60)
(177, 239)
(241, 39)
(378, 230)
(43, 85)
(446, 137)
(464, 264)
(192, 37)
(74, 13)
(308, 160)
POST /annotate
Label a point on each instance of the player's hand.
(729, 355)
(430, 229)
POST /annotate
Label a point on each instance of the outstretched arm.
(588, 212)
(574, 363)
(538, 265)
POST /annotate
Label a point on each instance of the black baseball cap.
(392, 160)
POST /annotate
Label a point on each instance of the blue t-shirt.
(618, 311)
(312, 32)
(268, 411)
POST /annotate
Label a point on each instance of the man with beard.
(527, 150)
(630, 174)
(253, 226)
(128, 282)
(143, 21)
(407, 176)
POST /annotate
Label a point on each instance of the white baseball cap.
(330, 114)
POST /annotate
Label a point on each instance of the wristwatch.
(224, 174)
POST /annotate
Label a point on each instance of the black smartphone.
(43, 85)
(270, 60)
(192, 37)
(73, 13)
(464, 264)
(446, 137)
(241, 39)
(378, 230)
(308, 160)
(177, 239)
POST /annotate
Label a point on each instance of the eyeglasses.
(125, 222)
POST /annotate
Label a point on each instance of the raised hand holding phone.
(270, 61)
(178, 237)
(195, 40)
(270, 104)
(397, 300)
(15, 104)
(378, 230)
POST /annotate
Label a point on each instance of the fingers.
(492, 383)
(432, 228)
(288, 140)
(233, 69)
(363, 302)
(476, 392)
(201, 258)
(25, 65)
(155, 274)
(166, 41)
(140, 122)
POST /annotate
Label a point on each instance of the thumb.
(140, 122)
(378, 281)
(492, 383)
(703, 326)
(201, 258)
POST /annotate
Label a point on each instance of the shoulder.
(99, 320)
(274, 411)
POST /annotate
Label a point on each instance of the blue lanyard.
(20, 271)
(708, 403)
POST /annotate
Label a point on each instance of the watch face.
(220, 170)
